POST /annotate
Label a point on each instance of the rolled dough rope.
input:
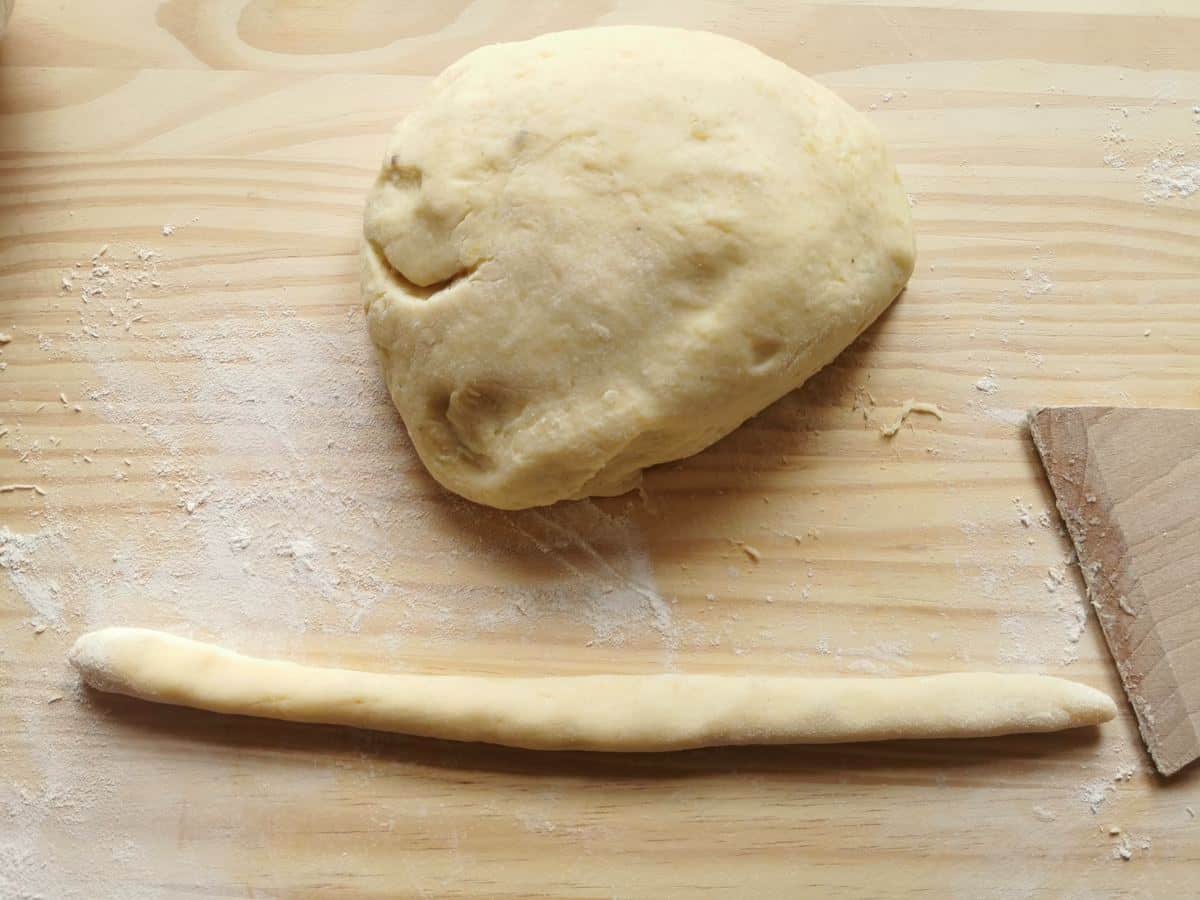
(587, 712)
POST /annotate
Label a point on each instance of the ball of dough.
(599, 250)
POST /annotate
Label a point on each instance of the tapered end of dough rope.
(93, 653)
(1088, 706)
(87, 656)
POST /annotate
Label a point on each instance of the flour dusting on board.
(1172, 176)
(17, 559)
(266, 535)
(1169, 172)
(254, 540)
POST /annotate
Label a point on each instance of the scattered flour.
(1124, 849)
(1171, 177)
(18, 560)
(282, 542)
(1127, 843)
(1036, 283)
(1017, 417)
(1095, 792)
(1115, 139)
(254, 541)
(1073, 613)
(1169, 173)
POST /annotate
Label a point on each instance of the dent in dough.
(599, 250)
(590, 712)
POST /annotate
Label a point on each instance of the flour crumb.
(168, 230)
(988, 383)
(1042, 814)
(1036, 283)
(1116, 138)
(1095, 793)
(1128, 843)
(191, 504)
(1024, 513)
(1055, 578)
(1123, 850)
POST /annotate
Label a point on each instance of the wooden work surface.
(218, 459)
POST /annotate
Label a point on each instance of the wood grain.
(246, 390)
(1127, 482)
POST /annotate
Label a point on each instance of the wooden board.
(1127, 482)
(234, 472)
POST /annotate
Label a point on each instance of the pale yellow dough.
(592, 712)
(599, 250)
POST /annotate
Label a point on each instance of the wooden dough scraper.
(1127, 482)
